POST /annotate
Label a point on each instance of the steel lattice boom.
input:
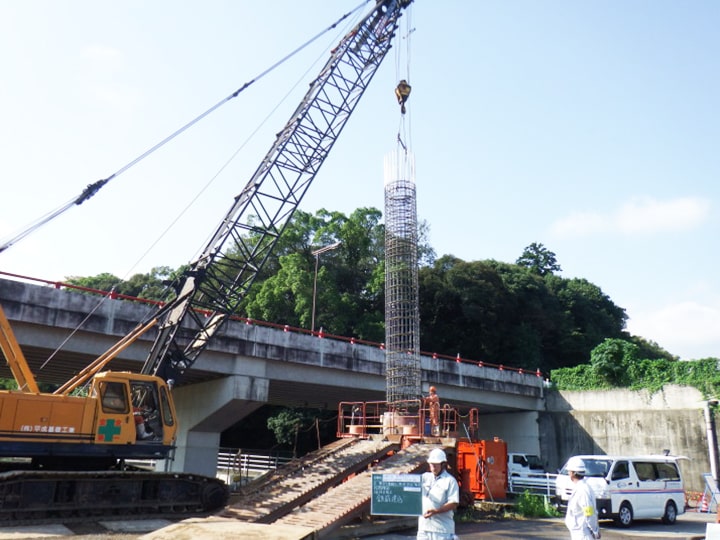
(217, 281)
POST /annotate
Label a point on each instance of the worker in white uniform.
(440, 498)
(581, 518)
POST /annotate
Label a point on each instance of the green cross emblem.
(108, 430)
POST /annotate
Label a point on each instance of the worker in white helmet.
(581, 518)
(440, 498)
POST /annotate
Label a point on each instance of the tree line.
(521, 314)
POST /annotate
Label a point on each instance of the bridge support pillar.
(204, 411)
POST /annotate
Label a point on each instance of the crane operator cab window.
(148, 422)
(114, 399)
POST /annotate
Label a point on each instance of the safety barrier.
(535, 483)
(237, 467)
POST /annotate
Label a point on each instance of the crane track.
(33, 497)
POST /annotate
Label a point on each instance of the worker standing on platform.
(440, 498)
(433, 404)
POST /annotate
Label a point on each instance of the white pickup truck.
(520, 464)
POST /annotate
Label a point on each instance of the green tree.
(153, 285)
(539, 259)
(285, 425)
(649, 349)
(350, 279)
(589, 316)
(101, 282)
(611, 360)
(501, 313)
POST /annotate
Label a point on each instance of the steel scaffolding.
(402, 313)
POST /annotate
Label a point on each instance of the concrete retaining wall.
(627, 422)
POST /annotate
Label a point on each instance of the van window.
(667, 471)
(597, 467)
(645, 470)
(621, 471)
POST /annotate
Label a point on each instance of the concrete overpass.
(249, 365)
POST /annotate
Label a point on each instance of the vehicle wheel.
(625, 515)
(670, 515)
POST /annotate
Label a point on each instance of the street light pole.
(317, 254)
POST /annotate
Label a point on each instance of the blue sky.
(591, 127)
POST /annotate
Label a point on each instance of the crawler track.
(51, 496)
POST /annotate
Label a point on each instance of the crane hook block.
(402, 92)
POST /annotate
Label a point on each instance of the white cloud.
(644, 216)
(688, 329)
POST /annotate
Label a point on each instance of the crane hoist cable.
(92, 189)
(403, 89)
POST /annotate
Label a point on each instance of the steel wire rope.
(234, 155)
(404, 136)
(212, 178)
(93, 188)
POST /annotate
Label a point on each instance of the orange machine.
(482, 466)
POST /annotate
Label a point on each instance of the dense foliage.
(511, 314)
(153, 286)
(521, 314)
(617, 363)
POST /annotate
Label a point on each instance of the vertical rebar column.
(402, 312)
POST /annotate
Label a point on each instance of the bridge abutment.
(206, 410)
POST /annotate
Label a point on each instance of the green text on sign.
(396, 494)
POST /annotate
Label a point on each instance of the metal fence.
(535, 483)
(237, 467)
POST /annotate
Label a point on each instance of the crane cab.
(133, 409)
(103, 426)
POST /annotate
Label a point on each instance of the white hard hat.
(437, 456)
(576, 464)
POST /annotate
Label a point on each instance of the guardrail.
(237, 467)
(535, 483)
(233, 465)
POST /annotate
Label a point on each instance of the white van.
(631, 487)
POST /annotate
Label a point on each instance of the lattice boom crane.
(124, 415)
